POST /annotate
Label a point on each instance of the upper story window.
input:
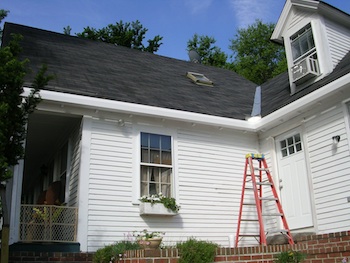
(156, 164)
(303, 43)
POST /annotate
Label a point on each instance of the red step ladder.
(259, 180)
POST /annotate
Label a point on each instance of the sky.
(175, 20)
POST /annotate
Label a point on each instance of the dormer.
(316, 37)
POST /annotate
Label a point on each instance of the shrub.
(196, 251)
(290, 256)
(116, 250)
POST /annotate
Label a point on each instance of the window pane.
(284, 153)
(144, 140)
(144, 174)
(154, 141)
(166, 190)
(144, 189)
(166, 143)
(166, 157)
(155, 157)
(290, 141)
(283, 144)
(297, 138)
(291, 150)
(144, 156)
(166, 175)
(153, 189)
(298, 147)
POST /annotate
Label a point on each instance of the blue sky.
(176, 20)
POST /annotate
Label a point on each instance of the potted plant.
(148, 240)
(158, 204)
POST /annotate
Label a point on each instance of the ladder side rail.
(258, 203)
(241, 204)
(278, 203)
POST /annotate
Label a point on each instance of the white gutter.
(143, 110)
(137, 109)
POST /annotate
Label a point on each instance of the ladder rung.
(283, 231)
(249, 235)
(261, 169)
(254, 204)
(268, 198)
(248, 220)
(263, 183)
(272, 214)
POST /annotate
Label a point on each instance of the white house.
(112, 112)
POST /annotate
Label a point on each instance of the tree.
(210, 55)
(255, 56)
(67, 30)
(3, 14)
(14, 111)
(123, 34)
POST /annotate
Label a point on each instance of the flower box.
(155, 209)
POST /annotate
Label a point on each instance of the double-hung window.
(156, 164)
(303, 43)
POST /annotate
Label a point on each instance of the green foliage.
(3, 14)
(123, 34)
(113, 251)
(67, 30)
(168, 202)
(210, 54)
(255, 56)
(290, 256)
(196, 251)
(14, 108)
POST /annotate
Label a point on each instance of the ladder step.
(261, 169)
(249, 220)
(268, 198)
(264, 183)
(249, 235)
(272, 214)
(254, 204)
(283, 231)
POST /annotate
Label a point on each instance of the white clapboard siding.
(110, 183)
(74, 169)
(210, 170)
(339, 39)
(329, 166)
(299, 17)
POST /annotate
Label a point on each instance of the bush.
(116, 250)
(290, 256)
(195, 251)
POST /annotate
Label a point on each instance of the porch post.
(14, 188)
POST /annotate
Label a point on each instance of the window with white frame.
(303, 43)
(291, 145)
(156, 164)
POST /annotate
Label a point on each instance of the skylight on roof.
(199, 79)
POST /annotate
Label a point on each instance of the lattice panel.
(48, 223)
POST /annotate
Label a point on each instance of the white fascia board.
(143, 110)
(303, 103)
(266, 122)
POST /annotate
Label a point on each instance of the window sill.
(155, 210)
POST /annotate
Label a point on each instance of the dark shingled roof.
(101, 70)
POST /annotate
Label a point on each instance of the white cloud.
(247, 11)
(198, 6)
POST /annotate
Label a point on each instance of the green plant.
(196, 251)
(144, 234)
(114, 251)
(168, 202)
(290, 256)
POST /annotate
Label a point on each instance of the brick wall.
(326, 248)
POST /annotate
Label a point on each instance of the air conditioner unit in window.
(305, 69)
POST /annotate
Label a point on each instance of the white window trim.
(137, 129)
(346, 110)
